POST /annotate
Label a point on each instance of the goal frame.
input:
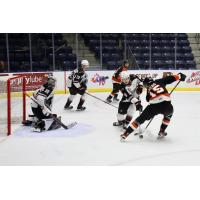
(9, 96)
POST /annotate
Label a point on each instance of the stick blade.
(68, 126)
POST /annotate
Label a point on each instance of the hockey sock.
(128, 119)
(132, 127)
(165, 123)
(68, 103)
(115, 96)
(81, 102)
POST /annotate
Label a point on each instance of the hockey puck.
(140, 136)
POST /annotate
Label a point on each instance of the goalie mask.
(51, 80)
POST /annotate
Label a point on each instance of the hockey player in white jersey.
(41, 105)
(131, 89)
(77, 84)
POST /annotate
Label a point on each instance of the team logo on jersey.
(195, 77)
(101, 80)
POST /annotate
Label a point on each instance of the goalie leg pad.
(51, 124)
(39, 126)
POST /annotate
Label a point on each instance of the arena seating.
(42, 52)
(155, 51)
(163, 53)
(112, 53)
(151, 51)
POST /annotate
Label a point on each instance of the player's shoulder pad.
(132, 77)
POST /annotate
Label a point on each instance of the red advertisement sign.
(33, 80)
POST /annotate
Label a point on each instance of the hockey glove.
(139, 89)
(139, 106)
(182, 76)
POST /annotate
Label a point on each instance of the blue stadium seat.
(189, 56)
(145, 56)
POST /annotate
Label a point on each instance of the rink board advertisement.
(101, 81)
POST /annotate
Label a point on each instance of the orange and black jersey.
(157, 91)
(116, 77)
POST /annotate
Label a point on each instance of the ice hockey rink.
(94, 141)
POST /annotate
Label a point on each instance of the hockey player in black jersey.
(77, 84)
(159, 103)
(41, 105)
(116, 79)
(131, 89)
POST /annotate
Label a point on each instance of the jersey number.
(156, 90)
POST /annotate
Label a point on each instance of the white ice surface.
(94, 141)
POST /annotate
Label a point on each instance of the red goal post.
(12, 103)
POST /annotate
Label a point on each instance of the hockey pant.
(125, 111)
(115, 91)
(165, 108)
(74, 91)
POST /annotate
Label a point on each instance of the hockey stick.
(55, 118)
(100, 100)
(141, 80)
(153, 117)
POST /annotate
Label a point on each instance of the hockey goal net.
(12, 103)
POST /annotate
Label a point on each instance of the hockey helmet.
(125, 76)
(85, 63)
(51, 80)
(126, 63)
(147, 81)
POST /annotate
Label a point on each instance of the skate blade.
(160, 137)
(80, 109)
(68, 108)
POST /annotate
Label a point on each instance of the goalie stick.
(55, 118)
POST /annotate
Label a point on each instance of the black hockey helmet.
(126, 63)
(147, 81)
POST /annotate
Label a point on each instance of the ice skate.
(108, 100)
(68, 108)
(38, 130)
(82, 108)
(123, 136)
(119, 123)
(161, 135)
(27, 123)
(115, 99)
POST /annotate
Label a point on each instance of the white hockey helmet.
(85, 63)
(124, 76)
